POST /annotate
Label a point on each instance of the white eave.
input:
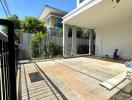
(80, 9)
(99, 13)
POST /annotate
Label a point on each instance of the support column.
(91, 41)
(74, 41)
(65, 40)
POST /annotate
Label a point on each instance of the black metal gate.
(7, 63)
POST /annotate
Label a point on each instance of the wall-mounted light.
(116, 1)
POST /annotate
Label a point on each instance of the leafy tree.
(39, 36)
(37, 45)
(86, 33)
(32, 25)
(80, 32)
(16, 21)
(60, 32)
(54, 49)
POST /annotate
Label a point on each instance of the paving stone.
(76, 79)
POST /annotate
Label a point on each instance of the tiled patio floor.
(70, 79)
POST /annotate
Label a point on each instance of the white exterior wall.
(115, 36)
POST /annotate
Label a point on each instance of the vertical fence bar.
(2, 73)
(1, 95)
(12, 68)
(4, 69)
(8, 82)
(8, 67)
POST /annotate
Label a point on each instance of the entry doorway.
(86, 41)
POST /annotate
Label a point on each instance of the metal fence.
(8, 68)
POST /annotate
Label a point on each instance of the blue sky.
(33, 7)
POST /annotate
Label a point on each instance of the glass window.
(58, 22)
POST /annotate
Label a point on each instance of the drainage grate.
(35, 77)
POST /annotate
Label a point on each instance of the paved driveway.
(79, 78)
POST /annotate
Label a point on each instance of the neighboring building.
(111, 21)
(53, 22)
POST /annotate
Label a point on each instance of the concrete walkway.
(70, 79)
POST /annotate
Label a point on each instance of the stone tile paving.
(102, 70)
(41, 90)
(95, 71)
(67, 77)
(123, 94)
(70, 79)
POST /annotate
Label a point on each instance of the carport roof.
(100, 13)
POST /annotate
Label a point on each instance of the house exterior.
(53, 22)
(111, 21)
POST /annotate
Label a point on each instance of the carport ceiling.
(104, 13)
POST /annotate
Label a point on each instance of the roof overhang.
(51, 10)
(100, 13)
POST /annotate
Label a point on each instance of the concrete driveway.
(79, 78)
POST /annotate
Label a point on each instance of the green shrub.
(54, 50)
(37, 49)
(37, 45)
